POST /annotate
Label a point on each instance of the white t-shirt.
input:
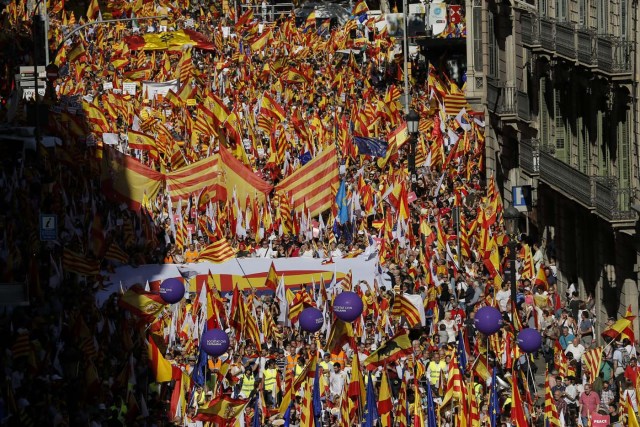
(503, 297)
(576, 350)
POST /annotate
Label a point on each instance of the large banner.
(247, 273)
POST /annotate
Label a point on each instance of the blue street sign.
(48, 227)
(521, 196)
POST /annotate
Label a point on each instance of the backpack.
(626, 357)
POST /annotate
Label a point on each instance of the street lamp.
(511, 218)
(413, 122)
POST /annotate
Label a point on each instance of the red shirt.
(631, 373)
(458, 315)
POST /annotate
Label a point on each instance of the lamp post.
(511, 217)
(413, 122)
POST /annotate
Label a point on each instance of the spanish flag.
(261, 41)
(141, 141)
(223, 411)
(162, 369)
(272, 278)
(143, 304)
(93, 10)
(271, 108)
(359, 8)
(168, 40)
(541, 279)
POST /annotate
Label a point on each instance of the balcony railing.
(598, 194)
(565, 179)
(604, 54)
(586, 47)
(566, 40)
(547, 34)
(612, 203)
(507, 101)
(529, 30)
(622, 52)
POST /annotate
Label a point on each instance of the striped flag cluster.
(80, 264)
(403, 307)
(21, 346)
(217, 252)
(116, 253)
(311, 185)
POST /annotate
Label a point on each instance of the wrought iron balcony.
(614, 56)
(586, 47)
(611, 203)
(507, 102)
(529, 30)
(604, 53)
(547, 33)
(529, 153)
(572, 183)
(566, 40)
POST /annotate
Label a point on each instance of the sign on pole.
(521, 196)
(48, 227)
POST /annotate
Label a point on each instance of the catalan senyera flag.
(398, 346)
(235, 175)
(455, 382)
(116, 253)
(217, 252)
(592, 360)
(79, 264)
(162, 369)
(223, 411)
(193, 178)
(311, 185)
(271, 108)
(403, 307)
(550, 411)
(127, 180)
(168, 40)
(143, 304)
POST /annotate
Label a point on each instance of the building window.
(493, 47)
(603, 16)
(561, 10)
(560, 127)
(624, 19)
(582, 13)
(542, 7)
(545, 121)
(477, 38)
(623, 149)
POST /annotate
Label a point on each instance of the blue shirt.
(565, 340)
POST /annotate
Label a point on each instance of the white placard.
(130, 88)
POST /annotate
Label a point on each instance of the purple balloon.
(529, 340)
(215, 342)
(488, 320)
(172, 290)
(311, 319)
(348, 306)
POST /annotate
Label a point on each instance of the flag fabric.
(126, 180)
(141, 141)
(359, 8)
(236, 176)
(402, 306)
(494, 401)
(632, 419)
(431, 410)
(311, 185)
(385, 404)
(217, 252)
(168, 40)
(162, 369)
(141, 303)
(623, 325)
(341, 202)
(93, 10)
(455, 383)
(592, 360)
(541, 279)
(223, 410)
(371, 409)
(79, 264)
(550, 411)
(371, 146)
(272, 278)
(518, 417)
(398, 346)
(271, 108)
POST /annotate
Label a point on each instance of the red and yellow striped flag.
(385, 405)
(93, 10)
(271, 108)
(312, 184)
(402, 306)
(592, 360)
(217, 252)
(550, 411)
(79, 264)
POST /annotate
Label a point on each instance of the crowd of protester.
(68, 361)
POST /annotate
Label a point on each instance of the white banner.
(152, 89)
(247, 273)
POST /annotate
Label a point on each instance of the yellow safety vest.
(248, 384)
(297, 371)
(434, 371)
(270, 379)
